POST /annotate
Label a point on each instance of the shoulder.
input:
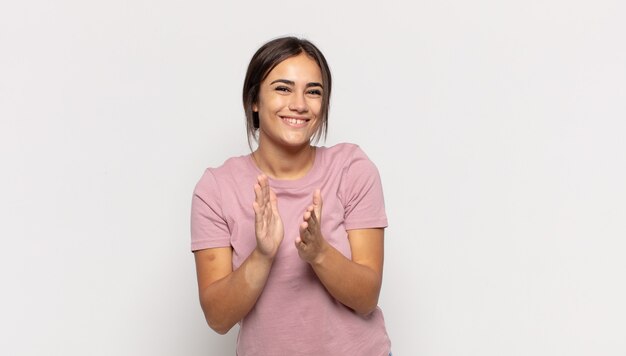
(234, 171)
(344, 148)
(347, 155)
(232, 166)
(345, 152)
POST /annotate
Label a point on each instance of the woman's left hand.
(311, 244)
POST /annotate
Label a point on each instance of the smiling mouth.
(292, 121)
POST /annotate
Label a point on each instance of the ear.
(255, 108)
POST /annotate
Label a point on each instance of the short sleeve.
(362, 194)
(208, 227)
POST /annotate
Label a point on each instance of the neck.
(284, 164)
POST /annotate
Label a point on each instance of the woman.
(288, 241)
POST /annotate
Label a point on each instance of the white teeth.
(295, 121)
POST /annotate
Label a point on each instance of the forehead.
(297, 68)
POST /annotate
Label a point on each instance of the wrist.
(262, 256)
(319, 259)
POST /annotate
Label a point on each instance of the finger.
(317, 204)
(258, 203)
(265, 187)
(300, 245)
(317, 198)
(260, 183)
(267, 214)
(258, 194)
(258, 213)
(304, 233)
(261, 180)
(274, 202)
(313, 221)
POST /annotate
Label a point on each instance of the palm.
(268, 224)
(310, 243)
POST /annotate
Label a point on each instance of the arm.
(226, 296)
(355, 283)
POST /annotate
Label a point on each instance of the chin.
(292, 143)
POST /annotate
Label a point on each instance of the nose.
(298, 103)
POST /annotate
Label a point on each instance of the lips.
(295, 121)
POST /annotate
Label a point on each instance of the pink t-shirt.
(294, 314)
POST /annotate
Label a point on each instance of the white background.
(497, 126)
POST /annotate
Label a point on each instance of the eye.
(315, 92)
(282, 89)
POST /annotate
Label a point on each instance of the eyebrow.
(291, 82)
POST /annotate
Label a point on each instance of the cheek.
(316, 107)
(267, 109)
(271, 104)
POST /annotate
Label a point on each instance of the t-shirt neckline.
(310, 177)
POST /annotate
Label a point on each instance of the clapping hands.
(268, 224)
(311, 243)
(270, 230)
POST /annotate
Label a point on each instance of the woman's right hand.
(268, 224)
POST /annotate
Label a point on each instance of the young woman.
(288, 240)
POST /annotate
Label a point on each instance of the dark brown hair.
(264, 60)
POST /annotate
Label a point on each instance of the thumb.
(317, 203)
